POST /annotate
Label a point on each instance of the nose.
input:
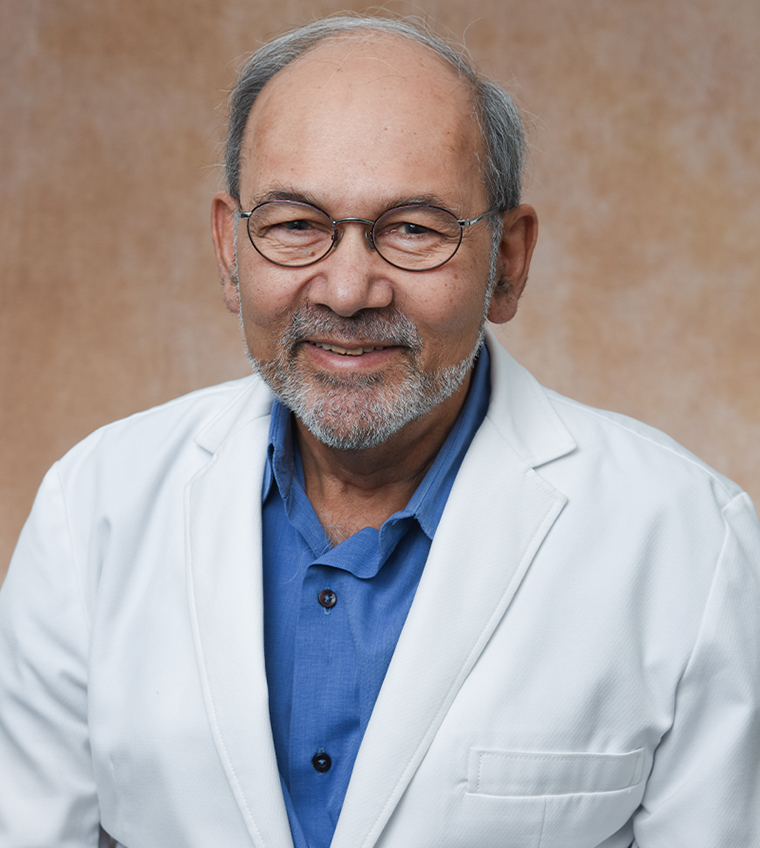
(367, 225)
(352, 277)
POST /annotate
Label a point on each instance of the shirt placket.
(325, 684)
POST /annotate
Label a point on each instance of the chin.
(359, 412)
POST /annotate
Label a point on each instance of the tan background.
(645, 159)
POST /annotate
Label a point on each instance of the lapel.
(497, 515)
(223, 555)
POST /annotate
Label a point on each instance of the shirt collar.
(427, 503)
(429, 500)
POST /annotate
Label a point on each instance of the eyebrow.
(311, 200)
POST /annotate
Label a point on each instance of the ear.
(518, 239)
(223, 231)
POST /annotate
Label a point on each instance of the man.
(435, 604)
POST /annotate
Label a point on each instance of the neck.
(350, 490)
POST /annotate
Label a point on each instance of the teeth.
(345, 351)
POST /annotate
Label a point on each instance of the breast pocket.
(585, 797)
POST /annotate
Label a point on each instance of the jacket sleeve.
(47, 789)
(704, 788)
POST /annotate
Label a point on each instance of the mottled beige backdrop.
(644, 120)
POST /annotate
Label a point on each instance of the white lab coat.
(580, 666)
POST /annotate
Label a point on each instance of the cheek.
(453, 305)
(450, 324)
(266, 305)
(268, 294)
(261, 307)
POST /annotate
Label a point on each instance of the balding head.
(493, 111)
(352, 107)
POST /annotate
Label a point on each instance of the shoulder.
(574, 445)
(658, 512)
(613, 445)
(155, 452)
(178, 423)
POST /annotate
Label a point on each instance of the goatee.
(359, 411)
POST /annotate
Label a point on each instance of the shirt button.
(328, 599)
(321, 762)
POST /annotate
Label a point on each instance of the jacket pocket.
(523, 773)
(588, 798)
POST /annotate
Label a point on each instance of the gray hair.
(494, 110)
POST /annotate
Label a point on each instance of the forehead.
(365, 111)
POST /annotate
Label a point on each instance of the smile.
(347, 351)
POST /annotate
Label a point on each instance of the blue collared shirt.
(333, 615)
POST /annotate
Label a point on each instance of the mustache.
(386, 326)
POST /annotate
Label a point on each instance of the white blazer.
(580, 666)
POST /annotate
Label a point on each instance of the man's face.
(355, 346)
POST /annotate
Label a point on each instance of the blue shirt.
(333, 615)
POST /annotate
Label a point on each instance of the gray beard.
(358, 411)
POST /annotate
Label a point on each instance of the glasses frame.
(337, 235)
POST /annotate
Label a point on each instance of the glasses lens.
(289, 233)
(417, 238)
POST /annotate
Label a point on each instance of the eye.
(299, 225)
(406, 230)
(416, 227)
(409, 228)
(289, 224)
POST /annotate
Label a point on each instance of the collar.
(284, 467)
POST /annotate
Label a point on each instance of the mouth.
(348, 351)
(367, 339)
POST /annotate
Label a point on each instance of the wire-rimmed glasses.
(412, 238)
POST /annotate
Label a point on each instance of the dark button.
(328, 599)
(321, 761)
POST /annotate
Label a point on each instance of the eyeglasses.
(412, 238)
